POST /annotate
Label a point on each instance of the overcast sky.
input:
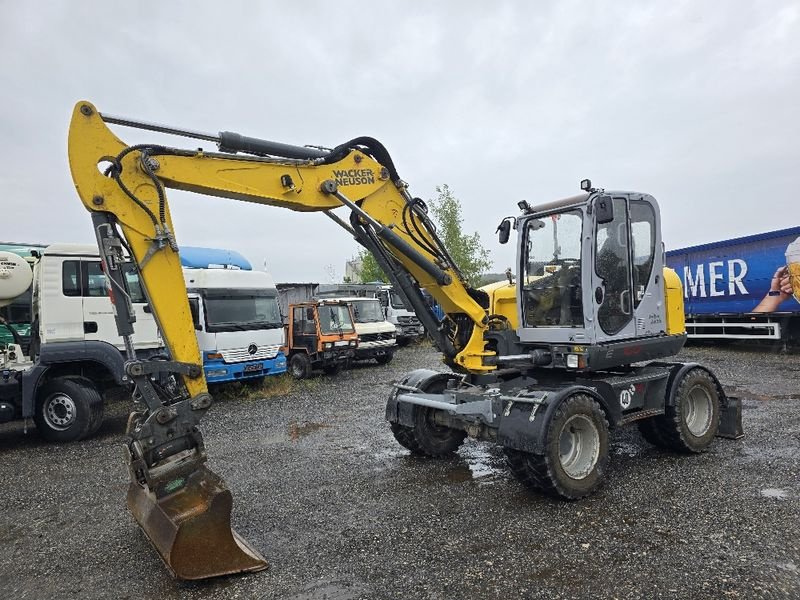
(693, 102)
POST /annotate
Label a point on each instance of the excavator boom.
(182, 506)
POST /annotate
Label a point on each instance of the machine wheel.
(385, 359)
(427, 438)
(333, 368)
(300, 366)
(68, 409)
(576, 452)
(691, 424)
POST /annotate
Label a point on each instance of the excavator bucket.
(191, 528)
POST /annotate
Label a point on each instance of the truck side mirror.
(504, 230)
(384, 299)
(604, 209)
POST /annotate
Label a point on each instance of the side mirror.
(604, 209)
(504, 230)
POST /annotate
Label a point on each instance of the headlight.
(217, 372)
(572, 361)
(328, 345)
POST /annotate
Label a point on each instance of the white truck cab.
(74, 357)
(236, 316)
(377, 337)
(405, 321)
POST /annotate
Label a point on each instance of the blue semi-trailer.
(741, 288)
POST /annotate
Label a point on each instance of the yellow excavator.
(544, 367)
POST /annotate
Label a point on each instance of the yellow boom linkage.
(181, 505)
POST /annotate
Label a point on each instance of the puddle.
(476, 464)
(776, 493)
(298, 430)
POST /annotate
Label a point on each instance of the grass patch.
(275, 386)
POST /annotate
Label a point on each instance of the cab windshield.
(368, 311)
(396, 300)
(551, 290)
(240, 310)
(335, 318)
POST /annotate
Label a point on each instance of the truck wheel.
(403, 341)
(385, 359)
(427, 438)
(97, 409)
(691, 424)
(67, 409)
(576, 452)
(300, 366)
(333, 368)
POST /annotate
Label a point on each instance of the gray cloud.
(502, 101)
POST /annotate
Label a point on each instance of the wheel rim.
(579, 446)
(699, 408)
(59, 411)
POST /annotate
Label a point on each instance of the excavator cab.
(592, 276)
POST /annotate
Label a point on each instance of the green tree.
(370, 270)
(466, 249)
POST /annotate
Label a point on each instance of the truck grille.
(376, 337)
(236, 355)
(408, 320)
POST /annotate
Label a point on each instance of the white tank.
(15, 276)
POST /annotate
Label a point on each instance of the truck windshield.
(335, 318)
(551, 290)
(396, 300)
(368, 311)
(240, 310)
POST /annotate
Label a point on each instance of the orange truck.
(320, 335)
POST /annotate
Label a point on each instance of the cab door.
(612, 294)
(304, 328)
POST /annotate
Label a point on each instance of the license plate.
(251, 368)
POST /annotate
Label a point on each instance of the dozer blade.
(191, 528)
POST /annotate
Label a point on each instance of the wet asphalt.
(341, 511)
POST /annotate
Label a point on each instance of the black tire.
(300, 366)
(68, 409)
(403, 341)
(385, 359)
(692, 423)
(582, 470)
(333, 368)
(427, 438)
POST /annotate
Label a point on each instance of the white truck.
(377, 338)
(236, 316)
(406, 323)
(74, 356)
(407, 326)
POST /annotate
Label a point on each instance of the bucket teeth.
(190, 527)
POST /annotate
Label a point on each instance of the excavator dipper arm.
(182, 506)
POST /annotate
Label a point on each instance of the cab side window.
(643, 247)
(71, 278)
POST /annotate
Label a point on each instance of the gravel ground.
(341, 511)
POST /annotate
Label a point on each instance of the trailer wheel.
(427, 438)
(68, 409)
(385, 359)
(300, 366)
(692, 422)
(576, 452)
